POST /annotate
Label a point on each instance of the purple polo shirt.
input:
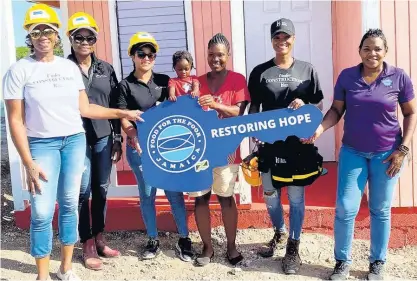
(371, 123)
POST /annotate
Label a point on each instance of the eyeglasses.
(91, 39)
(143, 55)
(36, 34)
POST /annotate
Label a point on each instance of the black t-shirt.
(275, 88)
(136, 95)
(102, 89)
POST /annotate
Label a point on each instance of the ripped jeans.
(62, 160)
(273, 203)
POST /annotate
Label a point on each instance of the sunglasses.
(143, 55)
(78, 38)
(36, 34)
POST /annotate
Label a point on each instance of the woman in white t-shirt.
(45, 99)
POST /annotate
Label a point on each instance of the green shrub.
(23, 51)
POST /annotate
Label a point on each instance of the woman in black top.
(103, 139)
(143, 89)
(280, 83)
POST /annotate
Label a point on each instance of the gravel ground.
(315, 250)
(316, 253)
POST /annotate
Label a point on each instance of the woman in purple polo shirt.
(374, 147)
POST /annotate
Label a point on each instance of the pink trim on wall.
(209, 18)
(346, 34)
(400, 28)
(99, 10)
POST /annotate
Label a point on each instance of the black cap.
(139, 46)
(282, 25)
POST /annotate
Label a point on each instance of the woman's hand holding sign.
(315, 136)
(207, 100)
(132, 115)
(296, 104)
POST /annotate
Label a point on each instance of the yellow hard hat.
(142, 37)
(41, 14)
(81, 20)
(250, 170)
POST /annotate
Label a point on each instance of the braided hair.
(219, 38)
(374, 33)
(182, 55)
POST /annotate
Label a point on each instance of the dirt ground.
(316, 252)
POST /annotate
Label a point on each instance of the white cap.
(33, 26)
(85, 27)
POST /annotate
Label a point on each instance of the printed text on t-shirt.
(284, 80)
(54, 78)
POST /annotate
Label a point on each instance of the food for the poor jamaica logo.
(176, 144)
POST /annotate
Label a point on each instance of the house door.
(312, 20)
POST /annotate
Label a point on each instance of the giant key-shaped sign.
(182, 143)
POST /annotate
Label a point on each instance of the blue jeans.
(59, 158)
(95, 181)
(274, 206)
(147, 199)
(355, 169)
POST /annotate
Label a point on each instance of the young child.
(184, 84)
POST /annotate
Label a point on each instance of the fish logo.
(177, 144)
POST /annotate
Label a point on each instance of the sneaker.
(268, 250)
(340, 271)
(184, 250)
(291, 262)
(376, 270)
(151, 250)
(69, 275)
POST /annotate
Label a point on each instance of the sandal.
(234, 261)
(203, 261)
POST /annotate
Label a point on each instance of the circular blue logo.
(176, 144)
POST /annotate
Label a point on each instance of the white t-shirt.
(50, 91)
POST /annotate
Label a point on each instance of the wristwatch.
(118, 137)
(403, 149)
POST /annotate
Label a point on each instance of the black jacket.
(291, 162)
(102, 89)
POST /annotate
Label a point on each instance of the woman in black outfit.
(103, 139)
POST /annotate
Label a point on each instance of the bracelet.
(403, 149)
(118, 138)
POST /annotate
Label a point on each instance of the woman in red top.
(226, 92)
